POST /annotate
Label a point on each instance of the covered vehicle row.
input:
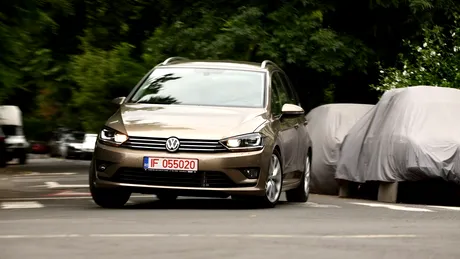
(411, 134)
(327, 126)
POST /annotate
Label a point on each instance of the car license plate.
(170, 164)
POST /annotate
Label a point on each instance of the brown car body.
(117, 169)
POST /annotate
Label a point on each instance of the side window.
(283, 94)
(292, 95)
(276, 104)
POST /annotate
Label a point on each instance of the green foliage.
(62, 61)
(289, 35)
(434, 62)
(100, 76)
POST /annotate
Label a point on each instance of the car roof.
(219, 64)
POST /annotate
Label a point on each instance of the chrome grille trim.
(186, 145)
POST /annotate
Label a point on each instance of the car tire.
(108, 197)
(301, 193)
(2, 162)
(23, 157)
(270, 200)
(167, 196)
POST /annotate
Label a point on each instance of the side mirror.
(292, 109)
(118, 100)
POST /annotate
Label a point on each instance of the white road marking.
(36, 236)
(65, 198)
(265, 236)
(43, 174)
(393, 207)
(446, 208)
(21, 205)
(370, 236)
(316, 205)
(69, 193)
(129, 235)
(54, 185)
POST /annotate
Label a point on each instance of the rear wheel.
(2, 160)
(108, 198)
(22, 157)
(301, 193)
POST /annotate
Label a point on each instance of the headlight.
(112, 137)
(247, 142)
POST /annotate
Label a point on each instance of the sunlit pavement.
(48, 213)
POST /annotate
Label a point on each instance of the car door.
(301, 122)
(288, 135)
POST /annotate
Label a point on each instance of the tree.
(101, 75)
(435, 61)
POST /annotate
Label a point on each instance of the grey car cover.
(411, 134)
(327, 126)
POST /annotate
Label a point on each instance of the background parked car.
(412, 134)
(88, 145)
(39, 147)
(327, 126)
(72, 144)
(57, 140)
(11, 124)
(2, 149)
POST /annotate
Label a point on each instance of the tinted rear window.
(203, 86)
(9, 130)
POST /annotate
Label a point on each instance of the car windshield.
(10, 130)
(77, 137)
(202, 86)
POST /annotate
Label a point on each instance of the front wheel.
(301, 193)
(108, 198)
(274, 182)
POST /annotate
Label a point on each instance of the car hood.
(190, 122)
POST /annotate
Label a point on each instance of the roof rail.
(266, 62)
(171, 59)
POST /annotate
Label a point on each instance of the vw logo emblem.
(172, 144)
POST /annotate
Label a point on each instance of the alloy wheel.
(273, 184)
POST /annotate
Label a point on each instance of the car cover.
(411, 134)
(327, 126)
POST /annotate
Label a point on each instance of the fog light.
(101, 167)
(251, 173)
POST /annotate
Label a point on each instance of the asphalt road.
(46, 212)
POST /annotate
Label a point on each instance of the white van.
(11, 124)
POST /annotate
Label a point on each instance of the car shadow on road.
(196, 204)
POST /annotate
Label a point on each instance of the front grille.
(186, 145)
(178, 179)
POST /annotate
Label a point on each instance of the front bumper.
(217, 172)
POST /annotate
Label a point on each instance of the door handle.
(296, 126)
(305, 122)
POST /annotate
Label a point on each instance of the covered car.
(328, 125)
(412, 134)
